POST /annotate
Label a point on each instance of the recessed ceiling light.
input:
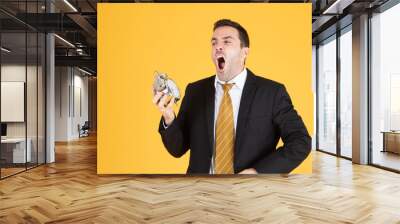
(64, 40)
(84, 71)
(337, 7)
(5, 50)
(71, 6)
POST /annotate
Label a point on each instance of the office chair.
(84, 130)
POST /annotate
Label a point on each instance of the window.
(327, 95)
(385, 88)
(346, 93)
(22, 77)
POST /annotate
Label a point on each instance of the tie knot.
(227, 87)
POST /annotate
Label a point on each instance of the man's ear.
(245, 51)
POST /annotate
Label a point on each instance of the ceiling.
(76, 22)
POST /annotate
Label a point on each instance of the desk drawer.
(392, 142)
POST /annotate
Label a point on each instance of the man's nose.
(219, 47)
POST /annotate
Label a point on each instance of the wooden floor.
(8, 171)
(387, 159)
(5, 172)
(70, 191)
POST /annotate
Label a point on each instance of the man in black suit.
(232, 121)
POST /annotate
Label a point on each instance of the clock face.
(164, 84)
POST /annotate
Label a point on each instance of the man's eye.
(227, 42)
(213, 43)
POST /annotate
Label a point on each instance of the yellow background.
(134, 40)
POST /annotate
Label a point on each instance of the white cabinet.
(17, 146)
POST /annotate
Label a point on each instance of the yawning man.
(232, 121)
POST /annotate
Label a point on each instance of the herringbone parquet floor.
(70, 191)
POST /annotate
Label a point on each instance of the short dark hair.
(243, 36)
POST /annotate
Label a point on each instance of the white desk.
(18, 149)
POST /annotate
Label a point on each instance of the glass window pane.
(32, 94)
(14, 151)
(386, 88)
(41, 98)
(346, 94)
(22, 88)
(327, 96)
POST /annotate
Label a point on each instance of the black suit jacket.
(266, 114)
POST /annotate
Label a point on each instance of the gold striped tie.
(225, 135)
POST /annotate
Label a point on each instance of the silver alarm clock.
(162, 83)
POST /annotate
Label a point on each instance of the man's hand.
(249, 171)
(165, 104)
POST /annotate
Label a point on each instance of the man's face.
(227, 54)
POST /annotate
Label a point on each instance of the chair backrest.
(86, 124)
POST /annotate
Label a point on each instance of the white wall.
(81, 102)
(71, 102)
(61, 103)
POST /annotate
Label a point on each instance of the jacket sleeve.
(176, 136)
(297, 141)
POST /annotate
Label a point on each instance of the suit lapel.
(209, 109)
(246, 101)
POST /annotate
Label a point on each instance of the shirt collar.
(239, 80)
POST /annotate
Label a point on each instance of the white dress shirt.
(235, 93)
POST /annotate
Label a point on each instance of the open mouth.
(221, 63)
